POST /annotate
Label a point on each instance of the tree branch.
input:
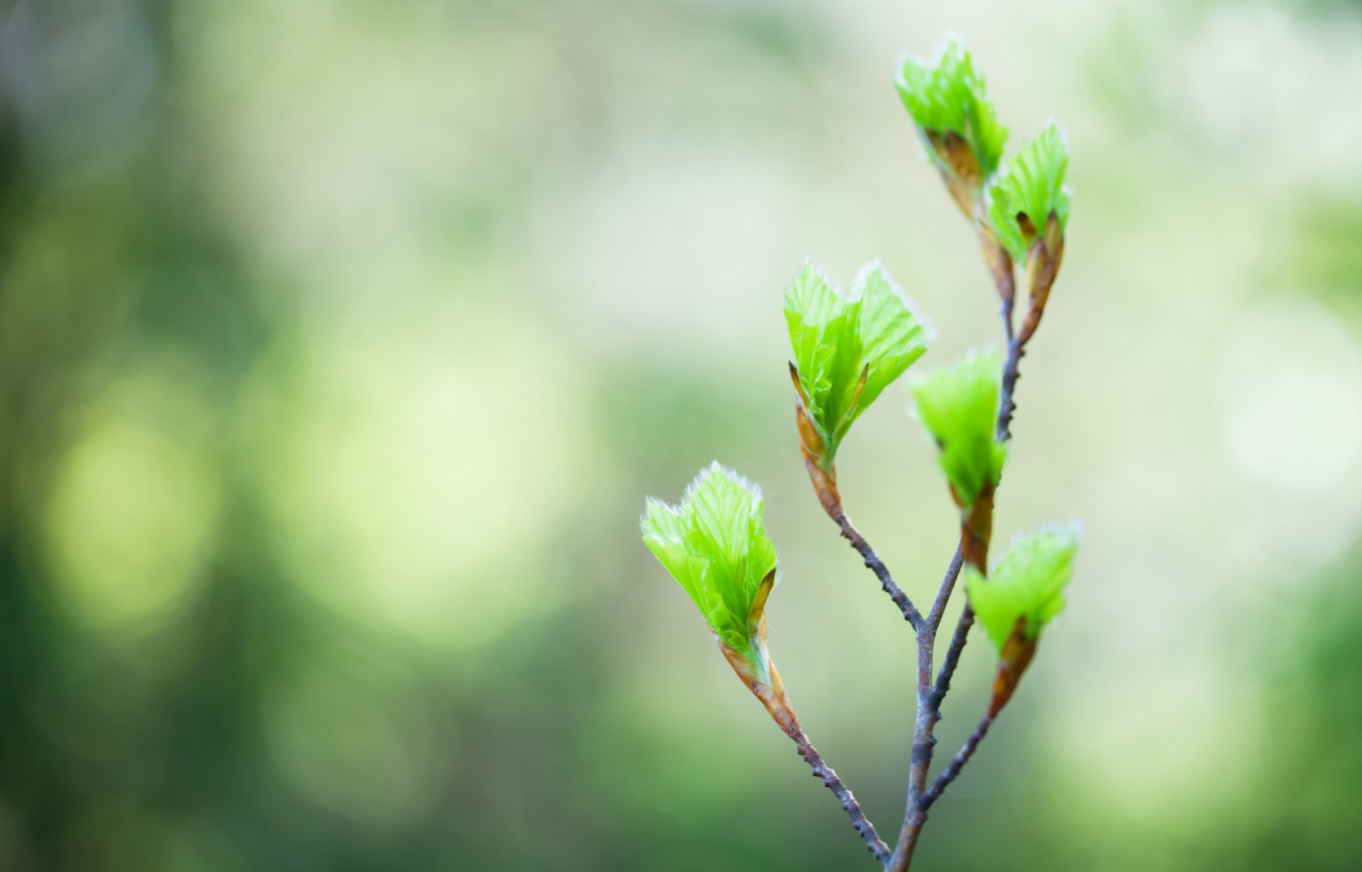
(929, 699)
(943, 595)
(923, 742)
(876, 565)
(961, 758)
(929, 695)
(864, 828)
(952, 660)
(1015, 349)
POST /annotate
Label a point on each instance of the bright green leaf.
(714, 544)
(946, 96)
(1028, 584)
(1030, 190)
(959, 406)
(837, 337)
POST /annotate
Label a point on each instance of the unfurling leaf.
(1026, 589)
(848, 347)
(714, 544)
(955, 120)
(958, 405)
(1030, 191)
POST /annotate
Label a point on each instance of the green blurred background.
(340, 342)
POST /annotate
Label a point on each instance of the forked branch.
(847, 348)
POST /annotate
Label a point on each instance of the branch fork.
(850, 346)
(976, 529)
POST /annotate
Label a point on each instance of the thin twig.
(928, 713)
(876, 565)
(772, 695)
(864, 828)
(930, 696)
(943, 595)
(961, 758)
(1015, 349)
(923, 742)
(952, 660)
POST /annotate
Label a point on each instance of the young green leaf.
(1032, 189)
(955, 119)
(958, 405)
(1028, 585)
(848, 347)
(714, 544)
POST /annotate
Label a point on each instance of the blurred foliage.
(339, 342)
(1323, 253)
